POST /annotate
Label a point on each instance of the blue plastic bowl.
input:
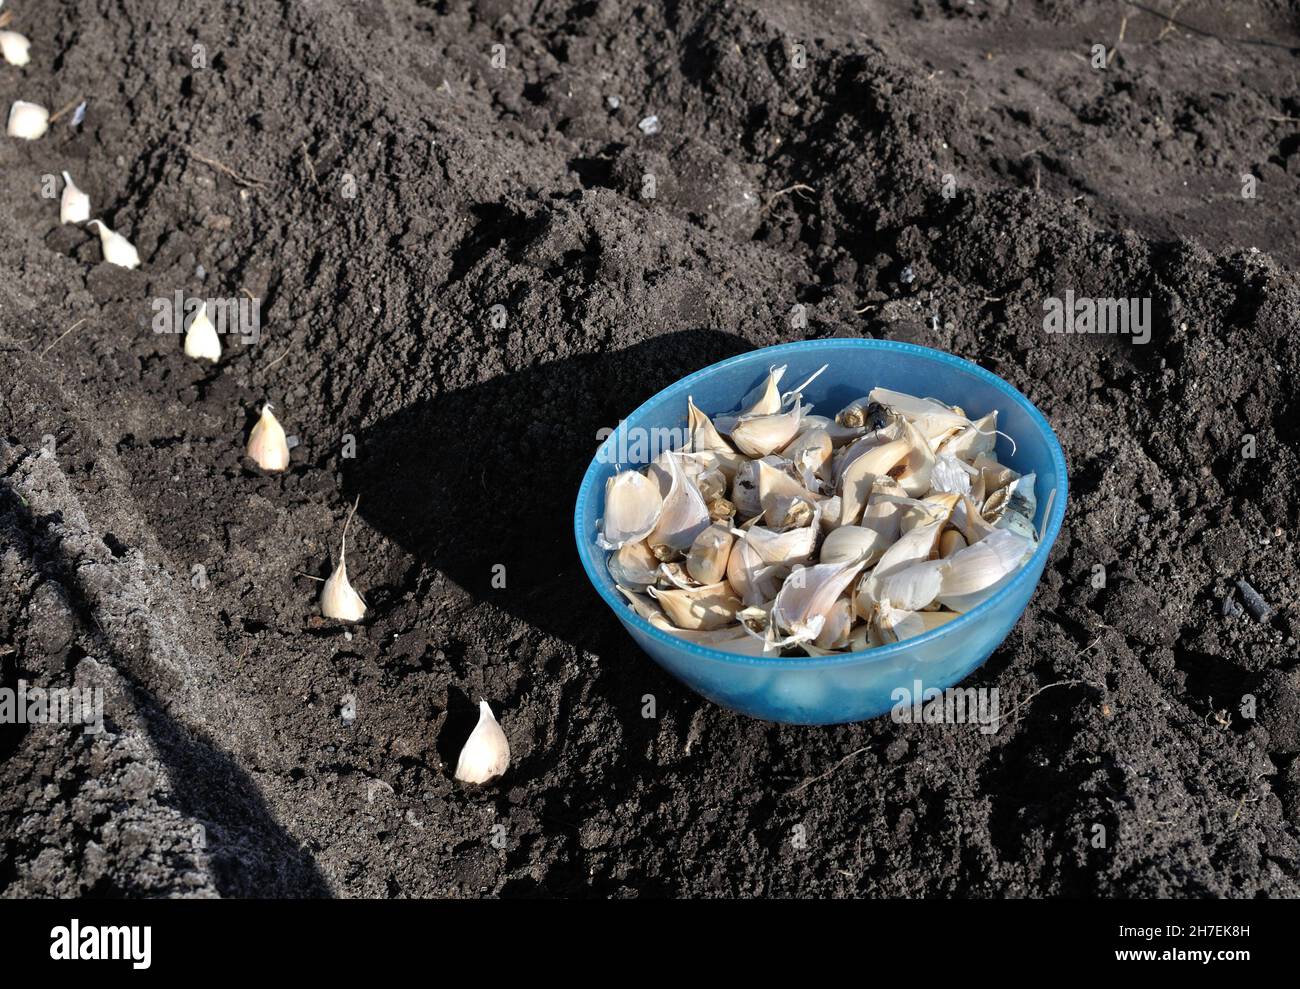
(852, 686)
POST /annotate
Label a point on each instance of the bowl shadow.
(480, 483)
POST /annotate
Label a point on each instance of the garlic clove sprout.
(486, 753)
(74, 206)
(14, 47)
(28, 120)
(201, 340)
(268, 447)
(337, 598)
(117, 249)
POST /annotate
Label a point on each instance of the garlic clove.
(932, 417)
(783, 548)
(632, 509)
(911, 588)
(974, 440)
(337, 598)
(14, 47)
(950, 542)
(857, 480)
(851, 542)
(684, 515)
(915, 479)
(28, 120)
(117, 249)
(761, 435)
(765, 400)
(810, 452)
(893, 624)
(642, 604)
(754, 580)
(704, 435)
(711, 606)
(268, 447)
(838, 627)
(633, 565)
(915, 546)
(707, 560)
(486, 754)
(781, 496)
(74, 206)
(800, 610)
(974, 574)
(201, 340)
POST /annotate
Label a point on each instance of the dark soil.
(228, 768)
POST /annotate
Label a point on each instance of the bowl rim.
(622, 611)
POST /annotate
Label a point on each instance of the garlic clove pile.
(117, 249)
(201, 339)
(28, 120)
(14, 47)
(268, 447)
(816, 535)
(74, 207)
(486, 753)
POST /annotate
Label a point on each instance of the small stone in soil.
(1256, 605)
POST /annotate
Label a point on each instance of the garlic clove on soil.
(268, 447)
(201, 340)
(117, 249)
(486, 753)
(74, 206)
(14, 47)
(337, 598)
(28, 120)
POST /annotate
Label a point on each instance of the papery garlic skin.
(486, 754)
(337, 598)
(74, 206)
(268, 447)
(201, 339)
(14, 47)
(117, 249)
(27, 120)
